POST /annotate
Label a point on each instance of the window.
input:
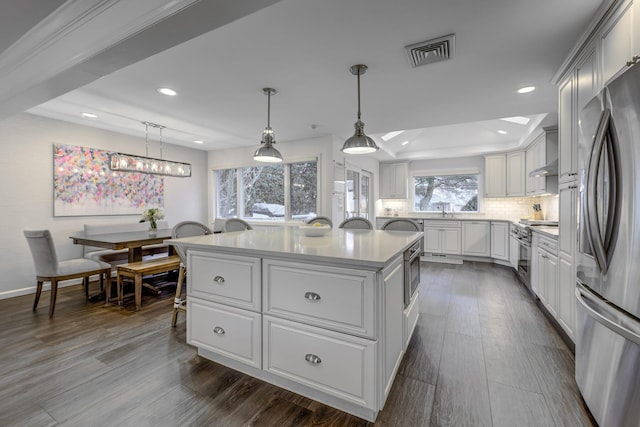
(270, 192)
(451, 193)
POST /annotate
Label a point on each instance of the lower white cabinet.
(442, 237)
(500, 240)
(334, 334)
(337, 364)
(566, 296)
(476, 238)
(232, 332)
(546, 275)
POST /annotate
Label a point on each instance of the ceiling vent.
(433, 50)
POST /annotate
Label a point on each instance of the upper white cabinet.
(504, 175)
(543, 151)
(515, 174)
(394, 180)
(618, 40)
(495, 174)
(574, 93)
(476, 238)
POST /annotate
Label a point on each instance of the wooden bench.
(136, 270)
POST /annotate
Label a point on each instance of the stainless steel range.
(522, 233)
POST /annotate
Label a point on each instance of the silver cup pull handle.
(219, 279)
(313, 359)
(218, 330)
(312, 296)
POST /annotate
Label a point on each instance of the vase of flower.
(152, 215)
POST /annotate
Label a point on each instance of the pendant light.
(359, 143)
(267, 152)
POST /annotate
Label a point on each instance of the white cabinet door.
(551, 282)
(432, 240)
(394, 180)
(615, 43)
(500, 240)
(495, 172)
(567, 164)
(394, 322)
(566, 295)
(476, 238)
(451, 241)
(515, 174)
(567, 220)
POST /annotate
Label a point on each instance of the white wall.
(26, 193)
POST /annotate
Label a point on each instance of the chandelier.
(145, 164)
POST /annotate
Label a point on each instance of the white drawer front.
(331, 362)
(228, 279)
(231, 332)
(336, 298)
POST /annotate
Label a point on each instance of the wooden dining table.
(131, 240)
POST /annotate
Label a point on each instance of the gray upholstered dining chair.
(184, 229)
(401, 224)
(49, 269)
(236, 224)
(356, 223)
(324, 220)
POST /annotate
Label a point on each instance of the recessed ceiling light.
(388, 136)
(89, 115)
(167, 91)
(198, 141)
(526, 89)
(502, 132)
(405, 143)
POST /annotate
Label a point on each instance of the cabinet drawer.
(228, 279)
(228, 331)
(548, 245)
(442, 223)
(336, 298)
(337, 364)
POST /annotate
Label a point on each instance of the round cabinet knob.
(312, 296)
(218, 330)
(219, 280)
(313, 359)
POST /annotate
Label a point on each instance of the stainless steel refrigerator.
(608, 256)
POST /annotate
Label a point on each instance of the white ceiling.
(304, 48)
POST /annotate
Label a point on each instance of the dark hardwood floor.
(482, 355)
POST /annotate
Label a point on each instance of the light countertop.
(368, 249)
(547, 231)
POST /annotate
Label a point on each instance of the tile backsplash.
(499, 208)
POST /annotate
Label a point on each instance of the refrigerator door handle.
(605, 315)
(602, 245)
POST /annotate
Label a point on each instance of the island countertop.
(369, 249)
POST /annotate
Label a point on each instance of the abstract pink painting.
(84, 185)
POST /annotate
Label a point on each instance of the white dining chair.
(49, 269)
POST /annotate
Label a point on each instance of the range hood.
(550, 169)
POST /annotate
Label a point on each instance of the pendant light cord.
(269, 109)
(146, 138)
(358, 93)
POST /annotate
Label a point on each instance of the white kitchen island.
(320, 316)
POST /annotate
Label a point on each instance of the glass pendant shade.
(359, 143)
(267, 152)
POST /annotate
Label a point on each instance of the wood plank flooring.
(482, 355)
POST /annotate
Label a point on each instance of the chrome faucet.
(443, 213)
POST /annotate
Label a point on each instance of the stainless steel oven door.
(524, 262)
(411, 272)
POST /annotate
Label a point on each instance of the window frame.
(287, 190)
(445, 172)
